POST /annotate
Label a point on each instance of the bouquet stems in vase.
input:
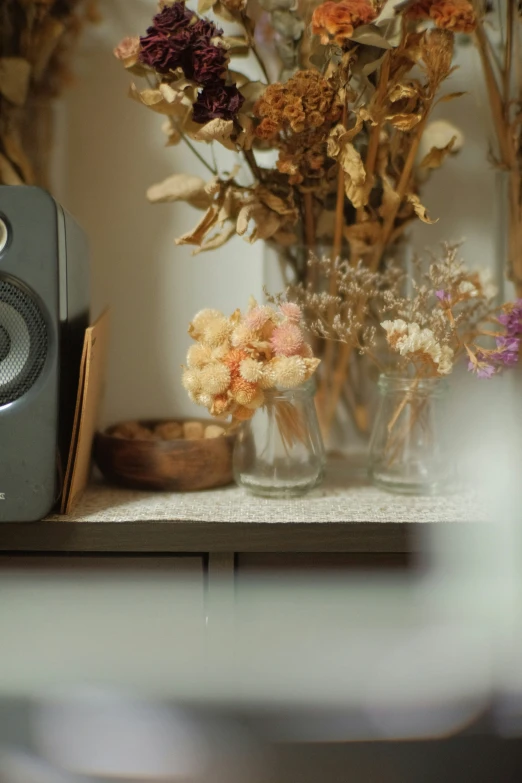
(351, 92)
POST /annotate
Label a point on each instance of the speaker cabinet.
(44, 311)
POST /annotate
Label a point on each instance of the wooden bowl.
(177, 465)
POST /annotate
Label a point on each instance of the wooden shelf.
(344, 515)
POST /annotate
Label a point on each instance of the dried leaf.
(216, 130)
(8, 175)
(217, 240)
(198, 233)
(247, 135)
(451, 96)
(15, 73)
(404, 122)
(204, 6)
(276, 203)
(356, 185)
(369, 35)
(155, 99)
(419, 209)
(236, 44)
(436, 156)
(401, 91)
(181, 187)
(267, 223)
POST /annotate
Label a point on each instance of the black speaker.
(44, 311)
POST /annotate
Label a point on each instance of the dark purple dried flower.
(168, 40)
(207, 63)
(217, 101)
(171, 18)
(205, 30)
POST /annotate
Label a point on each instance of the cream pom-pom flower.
(198, 355)
(216, 332)
(242, 336)
(215, 378)
(191, 380)
(201, 320)
(287, 339)
(251, 370)
(289, 371)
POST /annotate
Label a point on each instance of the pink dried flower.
(128, 51)
(291, 311)
(287, 340)
(256, 318)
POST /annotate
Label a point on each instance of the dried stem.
(336, 252)
(245, 22)
(309, 232)
(345, 352)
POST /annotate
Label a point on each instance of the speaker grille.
(23, 342)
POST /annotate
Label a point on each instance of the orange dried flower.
(455, 15)
(420, 10)
(233, 359)
(243, 391)
(305, 101)
(241, 413)
(220, 405)
(337, 21)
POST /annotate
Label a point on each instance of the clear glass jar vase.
(279, 453)
(408, 447)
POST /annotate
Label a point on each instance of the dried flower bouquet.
(236, 360)
(36, 38)
(499, 40)
(351, 101)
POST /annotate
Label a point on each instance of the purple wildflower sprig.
(178, 38)
(486, 363)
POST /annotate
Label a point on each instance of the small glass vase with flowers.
(258, 368)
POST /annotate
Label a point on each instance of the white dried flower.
(251, 370)
(191, 380)
(216, 332)
(466, 288)
(198, 355)
(242, 336)
(268, 379)
(202, 319)
(203, 399)
(220, 351)
(215, 378)
(445, 363)
(289, 371)
(394, 328)
(489, 289)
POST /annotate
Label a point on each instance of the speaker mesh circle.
(24, 342)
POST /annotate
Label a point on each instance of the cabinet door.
(131, 622)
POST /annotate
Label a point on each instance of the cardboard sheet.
(90, 388)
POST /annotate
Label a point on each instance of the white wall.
(111, 149)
